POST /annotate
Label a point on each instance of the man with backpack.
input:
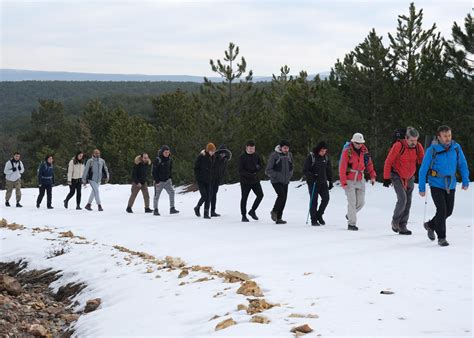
(399, 170)
(441, 161)
(354, 164)
(94, 171)
(318, 172)
(280, 170)
(162, 172)
(14, 168)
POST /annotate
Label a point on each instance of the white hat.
(358, 138)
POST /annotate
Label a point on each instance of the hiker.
(222, 156)
(203, 173)
(354, 163)
(139, 182)
(162, 172)
(75, 170)
(46, 181)
(280, 170)
(442, 160)
(318, 172)
(94, 171)
(14, 168)
(250, 165)
(399, 171)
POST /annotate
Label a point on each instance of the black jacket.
(222, 156)
(140, 171)
(162, 168)
(317, 168)
(249, 167)
(203, 167)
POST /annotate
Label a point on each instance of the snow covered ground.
(325, 271)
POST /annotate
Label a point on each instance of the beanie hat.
(210, 147)
(284, 143)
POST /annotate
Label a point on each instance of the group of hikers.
(438, 167)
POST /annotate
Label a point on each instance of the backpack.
(347, 146)
(398, 136)
(313, 158)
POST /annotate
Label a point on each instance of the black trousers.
(49, 194)
(246, 188)
(205, 190)
(214, 190)
(75, 188)
(282, 193)
(319, 190)
(444, 203)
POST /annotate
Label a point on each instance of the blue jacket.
(45, 174)
(445, 164)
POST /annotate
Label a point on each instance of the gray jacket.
(93, 170)
(280, 166)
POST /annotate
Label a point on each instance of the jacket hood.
(138, 159)
(319, 146)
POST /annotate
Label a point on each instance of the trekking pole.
(426, 203)
(311, 201)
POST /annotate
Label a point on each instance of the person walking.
(162, 175)
(46, 181)
(441, 162)
(13, 170)
(222, 156)
(203, 173)
(399, 171)
(355, 162)
(280, 170)
(94, 171)
(318, 172)
(141, 164)
(75, 170)
(250, 165)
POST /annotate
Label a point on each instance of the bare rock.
(183, 273)
(260, 319)
(92, 305)
(174, 262)
(299, 315)
(302, 329)
(241, 307)
(250, 288)
(10, 285)
(68, 234)
(37, 330)
(225, 323)
(258, 305)
(235, 276)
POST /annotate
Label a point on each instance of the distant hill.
(36, 75)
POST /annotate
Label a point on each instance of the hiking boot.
(7, 204)
(18, 205)
(352, 227)
(442, 242)
(244, 218)
(173, 211)
(129, 210)
(37, 205)
(156, 213)
(197, 212)
(280, 221)
(148, 211)
(403, 230)
(206, 214)
(215, 214)
(395, 227)
(50, 207)
(321, 220)
(88, 207)
(315, 223)
(253, 215)
(78, 207)
(100, 208)
(273, 215)
(430, 232)
(65, 203)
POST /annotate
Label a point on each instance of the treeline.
(415, 78)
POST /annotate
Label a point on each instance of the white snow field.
(326, 271)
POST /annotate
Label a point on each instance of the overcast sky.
(179, 37)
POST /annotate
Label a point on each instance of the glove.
(330, 186)
(387, 182)
(13, 169)
(39, 185)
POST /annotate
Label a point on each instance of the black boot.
(280, 221)
(215, 214)
(403, 230)
(18, 205)
(352, 227)
(315, 223)
(442, 242)
(253, 214)
(65, 203)
(50, 207)
(88, 207)
(173, 211)
(244, 218)
(156, 213)
(206, 214)
(148, 211)
(78, 207)
(320, 219)
(100, 208)
(273, 215)
(129, 210)
(197, 212)
(395, 227)
(7, 204)
(430, 232)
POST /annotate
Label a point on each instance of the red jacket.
(402, 160)
(351, 160)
